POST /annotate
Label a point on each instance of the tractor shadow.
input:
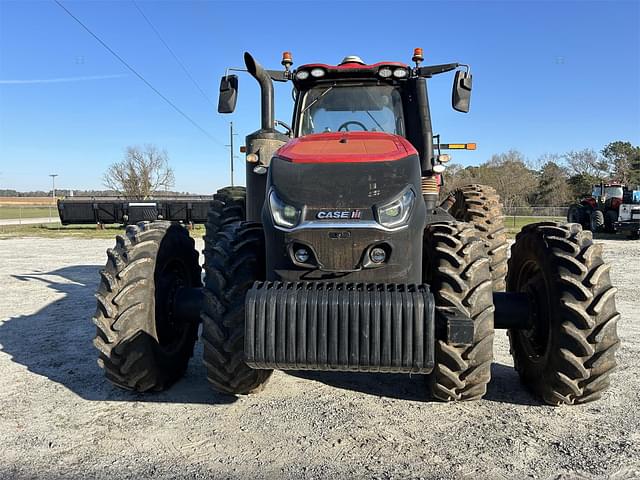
(505, 386)
(56, 342)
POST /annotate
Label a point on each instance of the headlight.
(284, 215)
(317, 72)
(397, 212)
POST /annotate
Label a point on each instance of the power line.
(182, 65)
(133, 70)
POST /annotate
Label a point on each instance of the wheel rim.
(535, 341)
(171, 330)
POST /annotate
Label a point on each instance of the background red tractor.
(599, 211)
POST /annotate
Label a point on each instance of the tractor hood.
(322, 170)
(346, 147)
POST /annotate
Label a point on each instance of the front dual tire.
(143, 344)
(569, 353)
(234, 263)
(457, 268)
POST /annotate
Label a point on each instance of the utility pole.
(53, 191)
(231, 155)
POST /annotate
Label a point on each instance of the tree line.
(552, 179)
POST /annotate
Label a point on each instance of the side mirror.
(461, 95)
(228, 94)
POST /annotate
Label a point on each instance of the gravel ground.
(60, 419)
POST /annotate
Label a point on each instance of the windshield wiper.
(317, 98)
(373, 102)
(369, 113)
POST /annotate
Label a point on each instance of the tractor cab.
(605, 196)
(351, 96)
(609, 190)
(383, 98)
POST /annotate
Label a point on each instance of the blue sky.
(548, 77)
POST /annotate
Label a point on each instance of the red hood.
(346, 147)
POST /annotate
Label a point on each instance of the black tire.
(142, 345)
(610, 218)
(236, 263)
(597, 221)
(457, 269)
(576, 214)
(480, 205)
(568, 355)
(228, 206)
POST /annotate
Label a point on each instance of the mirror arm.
(431, 70)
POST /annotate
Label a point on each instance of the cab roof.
(351, 66)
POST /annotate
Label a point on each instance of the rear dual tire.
(228, 206)
(480, 206)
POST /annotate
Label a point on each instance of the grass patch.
(16, 211)
(515, 224)
(56, 230)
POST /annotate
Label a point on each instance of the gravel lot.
(60, 419)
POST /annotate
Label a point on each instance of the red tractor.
(598, 212)
(338, 255)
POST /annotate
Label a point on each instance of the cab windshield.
(349, 108)
(611, 191)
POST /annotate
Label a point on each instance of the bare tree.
(587, 162)
(514, 181)
(141, 173)
(507, 172)
(455, 176)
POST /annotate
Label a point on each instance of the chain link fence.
(28, 214)
(518, 216)
(535, 211)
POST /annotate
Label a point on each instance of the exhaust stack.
(266, 90)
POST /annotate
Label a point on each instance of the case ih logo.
(339, 214)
